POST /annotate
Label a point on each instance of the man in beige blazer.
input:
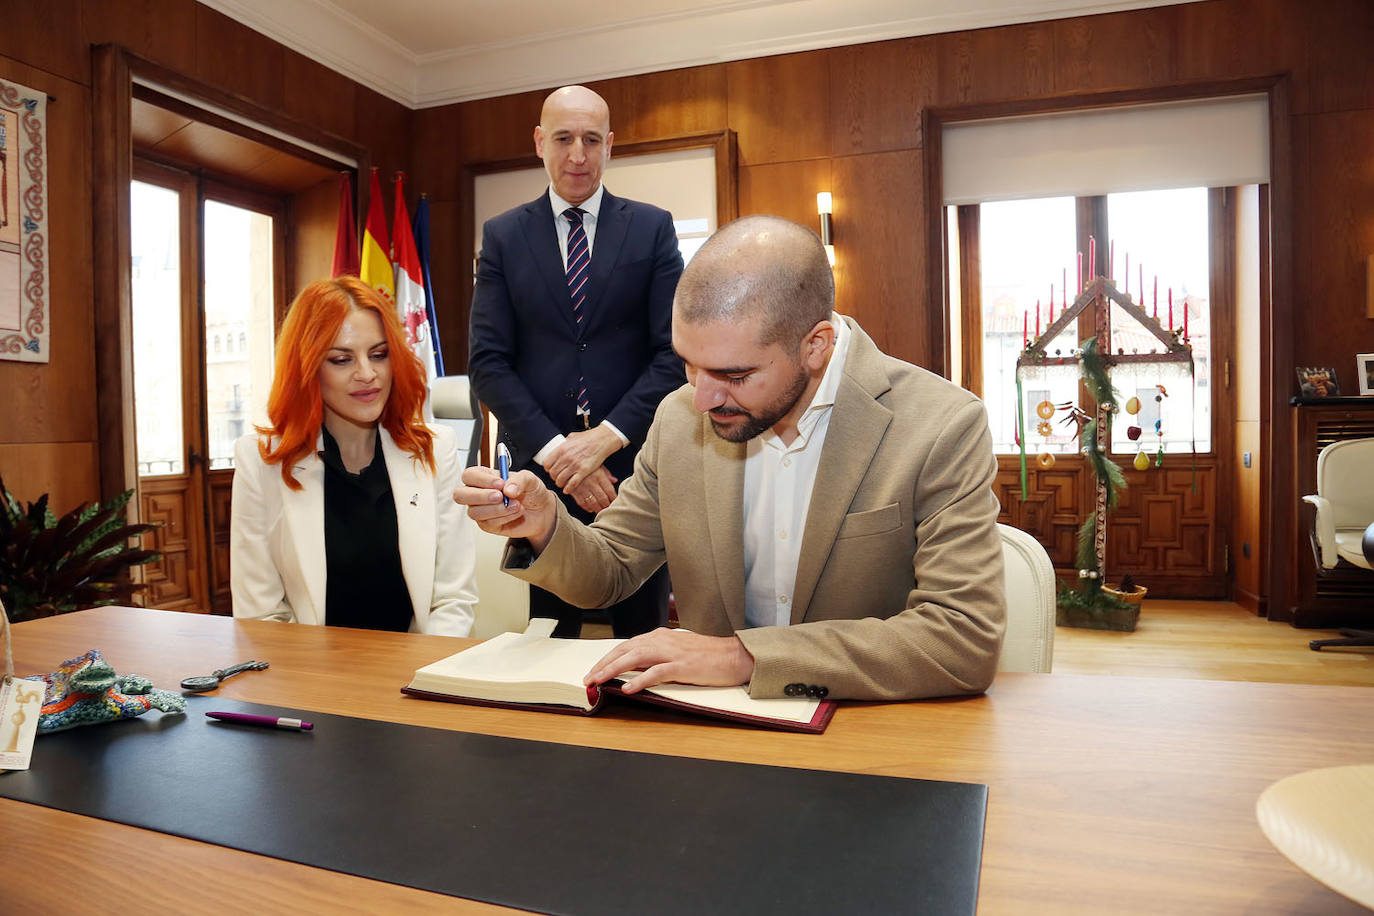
(794, 427)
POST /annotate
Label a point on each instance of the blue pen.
(503, 465)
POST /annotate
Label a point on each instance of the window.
(1027, 253)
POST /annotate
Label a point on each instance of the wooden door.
(170, 440)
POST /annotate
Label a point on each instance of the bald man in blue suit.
(571, 339)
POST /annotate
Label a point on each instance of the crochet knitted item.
(85, 691)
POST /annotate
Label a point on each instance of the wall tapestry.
(25, 304)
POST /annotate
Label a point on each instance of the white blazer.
(276, 537)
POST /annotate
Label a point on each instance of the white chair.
(1343, 530)
(1344, 501)
(454, 404)
(503, 601)
(1029, 643)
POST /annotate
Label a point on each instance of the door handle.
(194, 458)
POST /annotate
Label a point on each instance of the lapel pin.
(415, 500)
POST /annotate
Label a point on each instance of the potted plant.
(51, 565)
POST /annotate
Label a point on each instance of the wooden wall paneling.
(787, 189)
(1055, 506)
(1246, 532)
(880, 253)
(384, 128)
(1339, 36)
(451, 264)
(161, 31)
(500, 128)
(312, 222)
(54, 401)
(317, 95)
(668, 103)
(67, 471)
(984, 65)
(1115, 51)
(111, 174)
(61, 50)
(1288, 176)
(1242, 38)
(1334, 238)
(877, 92)
(779, 107)
(1222, 204)
(436, 135)
(238, 60)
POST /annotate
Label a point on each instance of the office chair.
(1029, 641)
(503, 602)
(454, 404)
(1342, 533)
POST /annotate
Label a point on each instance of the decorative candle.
(1080, 271)
(1037, 319)
(1185, 317)
(1141, 268)
(1171, 308)
(1156, 297)
(1025, 326)
(1092, 257)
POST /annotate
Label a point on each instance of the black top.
(364, 585)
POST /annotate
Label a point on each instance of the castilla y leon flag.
(346, 237)
(376, 260)
(410, 292)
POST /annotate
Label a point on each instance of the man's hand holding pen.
(521, 507)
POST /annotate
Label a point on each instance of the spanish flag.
(376, 258)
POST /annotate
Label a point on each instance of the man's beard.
(755, 424)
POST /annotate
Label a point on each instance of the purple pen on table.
(243, 718)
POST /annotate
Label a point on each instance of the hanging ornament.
(1046, 460)
(1133, 433)
(1044, 410)
(1044, 428)
(1133, 406)
(1159, 424)
(1142, 461)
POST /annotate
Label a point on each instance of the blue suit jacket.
(527, 352)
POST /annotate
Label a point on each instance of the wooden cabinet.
(1343, 596)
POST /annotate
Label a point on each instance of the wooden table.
(1107, 794)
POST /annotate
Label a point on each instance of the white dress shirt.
(778, 480)
(591, 211)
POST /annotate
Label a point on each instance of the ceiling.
(424, 53)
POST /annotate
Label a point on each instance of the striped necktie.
(579, 257)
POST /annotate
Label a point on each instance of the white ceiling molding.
(609, 43)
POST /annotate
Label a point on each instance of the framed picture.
(1318, 382)
(1364, 371)
(24, 302)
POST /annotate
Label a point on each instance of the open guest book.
(530, 670)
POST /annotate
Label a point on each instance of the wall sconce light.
(827, 227)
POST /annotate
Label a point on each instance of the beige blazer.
(276, 539)
(899, 589)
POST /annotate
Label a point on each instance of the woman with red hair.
(343, 510)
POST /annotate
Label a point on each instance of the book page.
(738, 700)
(517, 667)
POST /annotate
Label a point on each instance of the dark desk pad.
(539, 826)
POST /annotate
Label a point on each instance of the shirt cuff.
(542, 455)
(624, 439)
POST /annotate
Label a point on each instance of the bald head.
(759, 268)
(574, 139)
(575, 99)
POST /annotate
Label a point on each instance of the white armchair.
(1029, 642)
(1344, 501)
(1343, 530)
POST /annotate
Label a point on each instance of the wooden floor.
(1211, 640)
